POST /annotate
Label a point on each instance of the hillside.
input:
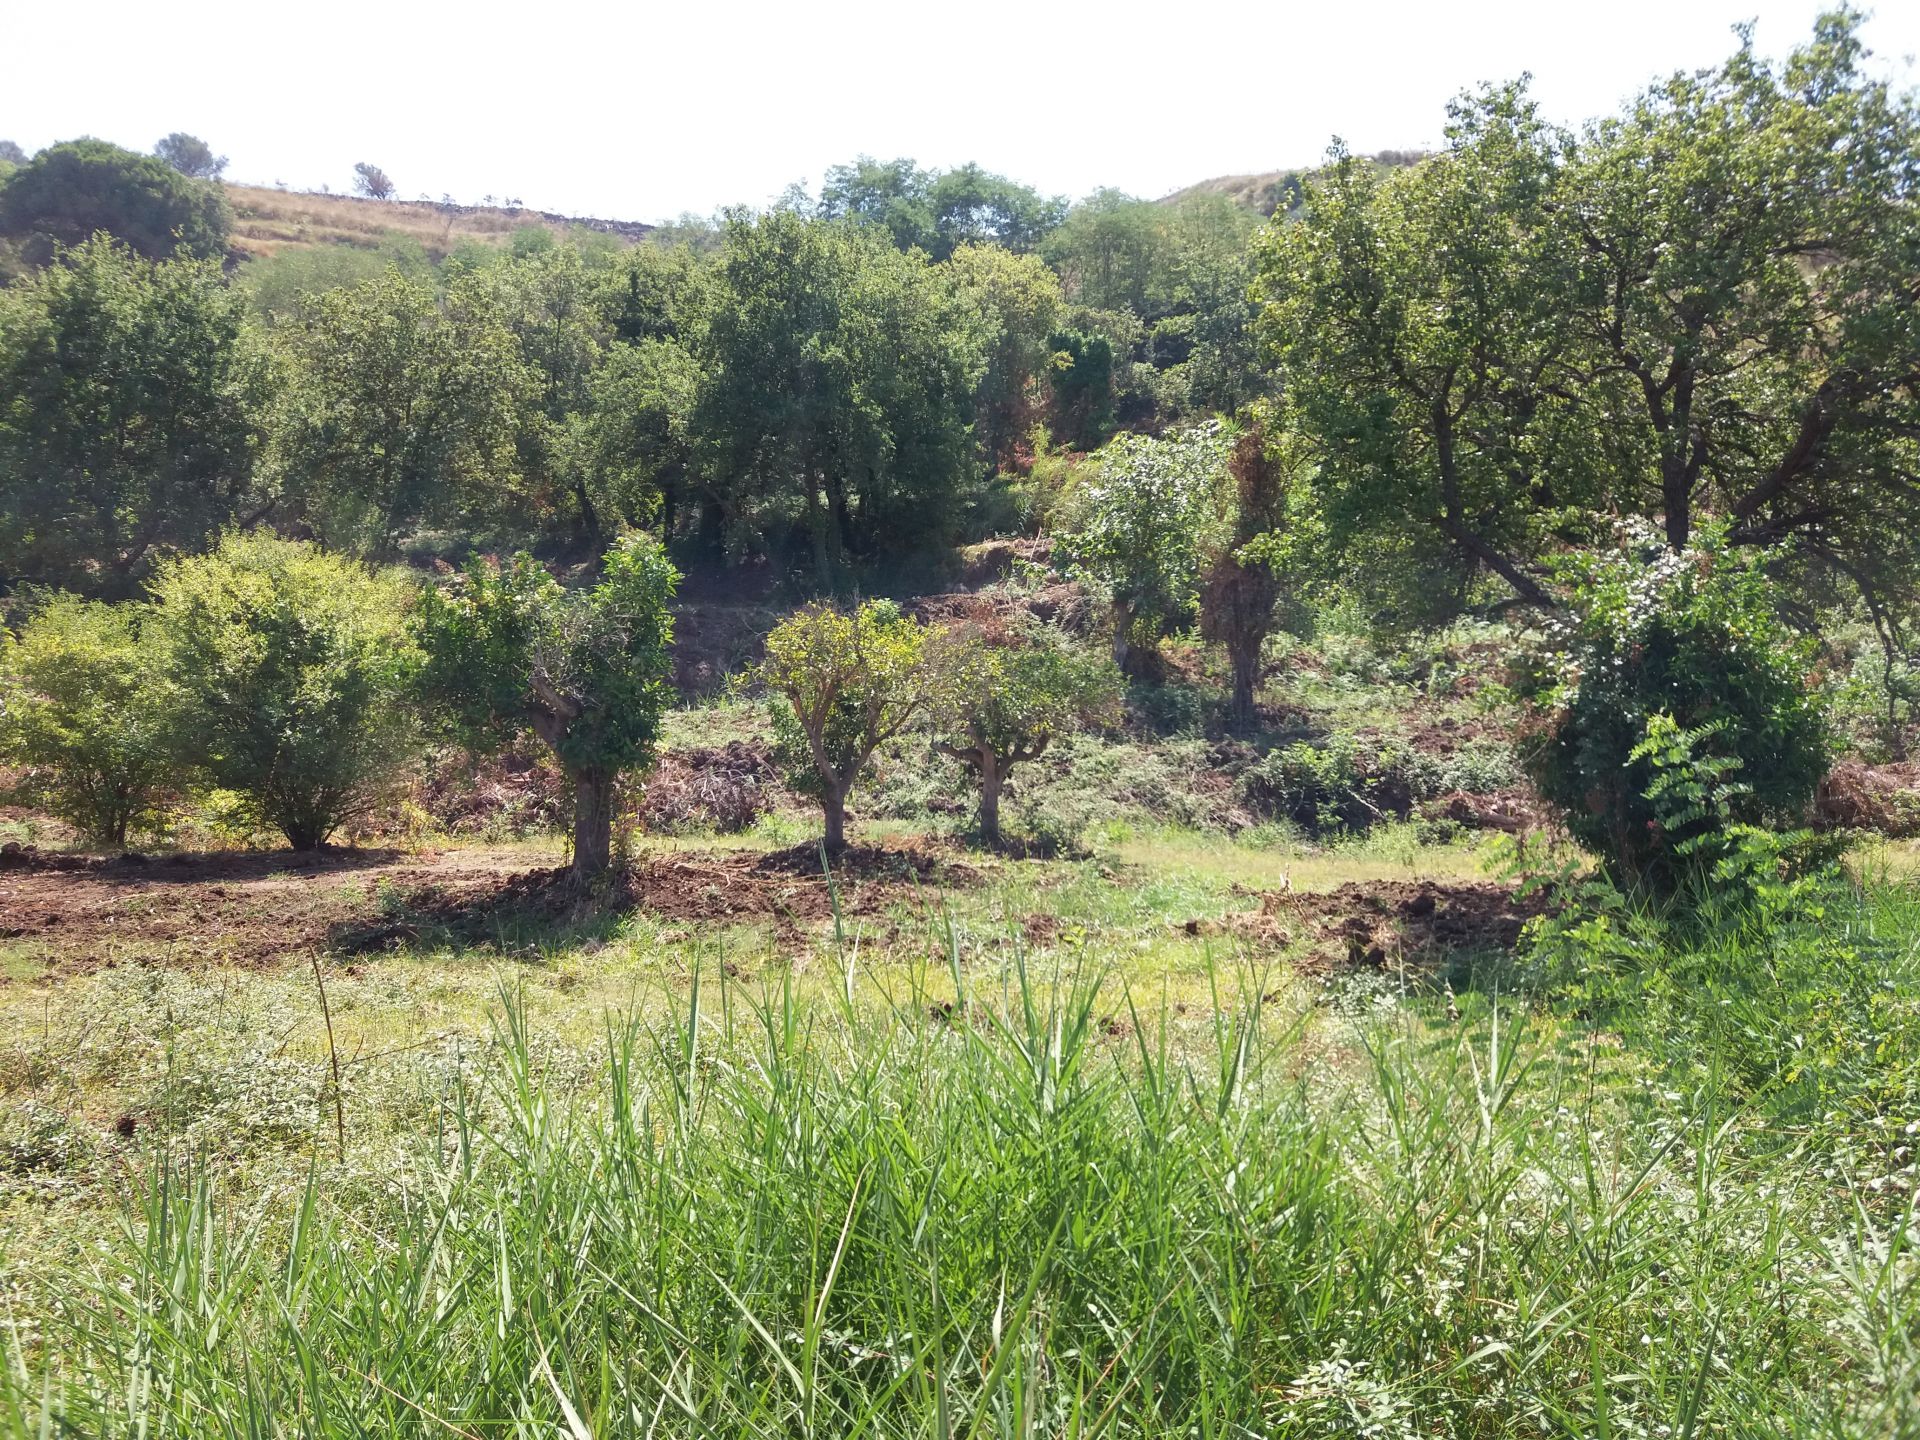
(1276, 189)
(268, 220)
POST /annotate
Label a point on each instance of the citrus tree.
(845, 683)
(1004, 698)
(288, 670)
(510, 648)
(81, 710)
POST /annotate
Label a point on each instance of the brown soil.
(258, 909)
(1856, 796)
(1382, 923)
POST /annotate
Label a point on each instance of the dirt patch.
(1513, 812)
(1856, 796)
(785, 888)
(1374, 925)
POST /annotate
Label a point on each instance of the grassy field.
(996, 1147)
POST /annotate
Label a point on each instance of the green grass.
(940, 1184)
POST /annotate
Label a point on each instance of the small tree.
(81, 708)
(290, 669)
(847, 683)
(373, 182)
(191, 156)
(1138, 529)
(587, 670)
(1005, 698)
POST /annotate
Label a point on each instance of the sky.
(645, 110)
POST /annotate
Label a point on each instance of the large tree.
(400, 409)
(1705, 306)
(191, 156)
(69, 191)
(837, 391)
(131, 396)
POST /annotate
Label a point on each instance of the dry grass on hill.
(267, 221)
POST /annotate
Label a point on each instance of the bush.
(290, 670)
(1692, 636)
(80, 707)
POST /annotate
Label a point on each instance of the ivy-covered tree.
(587, 670)
(289, 671)
(1004, 697)
(1138, 530)
(132, 403)
(66, 193)
(845, 683)
(1254, 552)
(83, 713)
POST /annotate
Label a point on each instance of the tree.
(837, 391)
(290, 669)
(191, 156)
(587, 670)
(400, 409)
(846, 682)
(11, 153)
(1418, 315)
(938, 211)
(67, 192)
(627, 455)
(1253, 552)
(371, 181)
(1137, 531)
(1702, 307)
(82, 709)
(1016, 304)
(132, 397)
(1003, 698)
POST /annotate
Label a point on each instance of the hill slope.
(267, 221)
(1277, 189)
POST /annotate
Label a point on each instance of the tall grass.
(1040, 1210)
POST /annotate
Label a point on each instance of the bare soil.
(74, 914)
(1372, 925)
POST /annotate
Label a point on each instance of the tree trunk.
(833, 805)
(592, 824)
(1246, 675)
(1122, 640)
(992, 777)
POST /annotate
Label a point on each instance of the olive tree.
(1005, 697)
(586, 669)
(846, 682)
(82, 711)
(289, 670)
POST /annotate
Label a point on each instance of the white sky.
(644, 110)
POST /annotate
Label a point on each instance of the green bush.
(1693, 636)
(80, 708)
(289, 669)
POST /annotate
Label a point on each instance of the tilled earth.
(65, 913)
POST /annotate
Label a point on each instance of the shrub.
(1692, 636)
(80, 706)
(509, 648)
(289, 669)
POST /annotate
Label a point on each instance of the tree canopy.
(67, 192)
